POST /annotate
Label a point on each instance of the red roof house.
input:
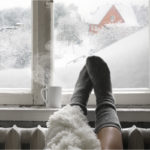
(111, 14)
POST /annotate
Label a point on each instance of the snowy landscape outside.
(15, 44)
(124, 46)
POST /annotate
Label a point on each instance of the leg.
(82, 90)
(110, 138)
(108, 127)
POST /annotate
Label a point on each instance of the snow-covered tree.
(15, 35)
(68, 24)
(142, 14)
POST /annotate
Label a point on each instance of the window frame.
(42, 24)
(123, 98)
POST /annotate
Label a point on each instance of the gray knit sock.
(105, 106)
(82, 90)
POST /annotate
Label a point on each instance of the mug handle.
(42, 94)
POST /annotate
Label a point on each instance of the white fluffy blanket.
(68, 129)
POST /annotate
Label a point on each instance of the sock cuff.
(83, 108)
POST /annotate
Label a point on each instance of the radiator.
(34, 138)
(22, 138)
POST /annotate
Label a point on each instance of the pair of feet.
(95, 74)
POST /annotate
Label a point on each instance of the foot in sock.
(82, 90)
(100, 76)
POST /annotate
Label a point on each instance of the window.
(15, 44)
(116, 43)
(123, 45)
(15, 52)
(73, 43)
(112, 19)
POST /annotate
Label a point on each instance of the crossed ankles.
(96, 74)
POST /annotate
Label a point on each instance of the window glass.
(123, 43)
(112, 19)
(15, 44)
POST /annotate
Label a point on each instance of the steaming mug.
(52, 96)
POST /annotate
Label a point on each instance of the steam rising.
(43, 73)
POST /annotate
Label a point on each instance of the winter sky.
(4, 4)
(89, 6)
(91, 3)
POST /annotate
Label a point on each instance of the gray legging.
(106, 115)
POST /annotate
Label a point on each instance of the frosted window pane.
(15, 43)
(84, 28)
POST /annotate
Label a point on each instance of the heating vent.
(34, 138)
(22, 138)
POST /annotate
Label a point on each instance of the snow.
(15, 78)
(127, 13)
(128, 60)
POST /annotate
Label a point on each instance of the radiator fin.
(12, 139)
(38, 139)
